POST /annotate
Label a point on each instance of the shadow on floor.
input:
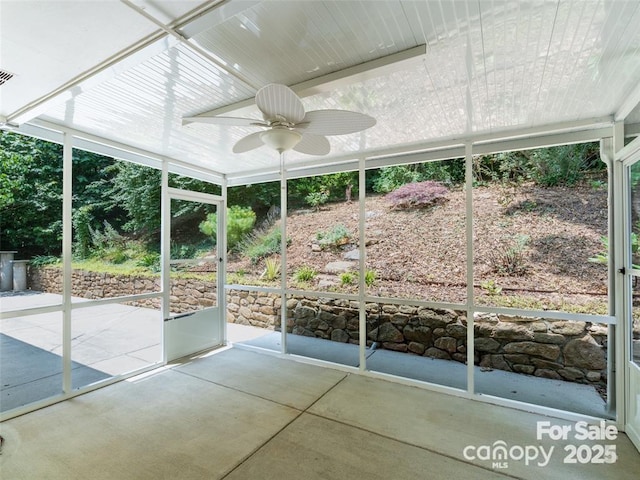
(30, 373)
(558, 394)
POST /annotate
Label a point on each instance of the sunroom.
(495, 292)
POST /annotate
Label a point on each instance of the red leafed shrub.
(418, 195)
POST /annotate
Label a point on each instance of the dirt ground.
(531, 247)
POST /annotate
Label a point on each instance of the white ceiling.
(105, 68)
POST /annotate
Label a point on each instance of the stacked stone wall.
(562, 350)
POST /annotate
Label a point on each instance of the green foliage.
(370, 277)
(315, 199)
(261, 243)
(448, 172)
(82, 220)
(603, 256)
(42, 260)
(335, 186)
(271, 270)
(348, 278)
(240, 221)
(305, 273)
(491, 287)
(338, 235)
(149, 260)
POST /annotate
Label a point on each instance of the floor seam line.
(404, 442)
(301, 412)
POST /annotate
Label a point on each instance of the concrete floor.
(237, 414)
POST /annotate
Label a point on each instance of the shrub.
(82, 219)
(240, 221)
(305, 274)
(338, 235)
(491, 287)
(41, 260)
(418, 195)
(150, 260)
(315, 199)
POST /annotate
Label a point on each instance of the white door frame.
(182, 333)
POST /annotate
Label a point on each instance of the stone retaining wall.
(572, 351)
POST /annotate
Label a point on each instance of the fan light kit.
(288, 126)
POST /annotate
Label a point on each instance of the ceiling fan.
(287, 126)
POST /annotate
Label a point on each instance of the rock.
(339, 267)
(304, 313)
(400, 319)
(538, 327)
(543, 373)
(550, 352)
(416, 347)
(486, 344)
(511, 332)
(398, 347)
(526, 369)
(549, 338)
(315, 247)
(546, 364)
(459, 357)
(417, 334)
(585, 353)
(567, 327)
(517, 358)
(338, 335)
(456, 330)
(352, 255)
(571, 374)
(386, 333)
(436, 353)
(498, 361)
(594, 376)
(449, 344)
(298, 330)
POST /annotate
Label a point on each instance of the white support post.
(165, 251)
(468, 159)
(620, 258)
(222, 263)
(362, 310)
(67, 235)
(606, 155)
(283, 255)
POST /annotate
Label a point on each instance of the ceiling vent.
(5, 77)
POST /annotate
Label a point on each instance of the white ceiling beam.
(629, 104)
(327, 83)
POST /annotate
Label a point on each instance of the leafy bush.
(240, 221)
(82, 219)
(338, 235)
(491, 287)
(261, 243)
(315, 199)
(305, 274)
(389, 179)
(418, 195)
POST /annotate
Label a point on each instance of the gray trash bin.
(20, 275)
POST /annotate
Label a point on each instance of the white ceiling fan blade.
(237, 121)
(279, 100)
(250, 142)
(313, 145)
(336, 122)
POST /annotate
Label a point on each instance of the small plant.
(305, 274)
(347, 278)
(370, 277)
(315, 199)
(272, 269)
(491, 287)
(418, 195)
(338, 235)
(510, 260)
(150, 260)
(603, 256)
